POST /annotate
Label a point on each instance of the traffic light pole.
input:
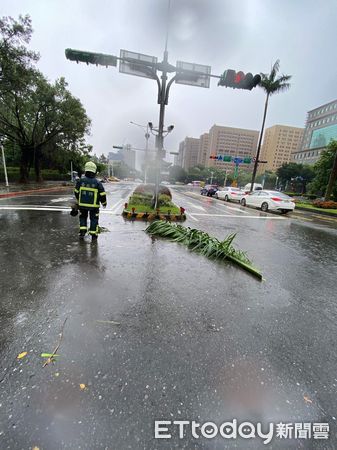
(259, 146)
(160, 137)
(182, 75)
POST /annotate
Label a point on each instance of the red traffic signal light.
(213, 157)
(239, 80)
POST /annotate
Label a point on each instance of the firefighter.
(89, 193)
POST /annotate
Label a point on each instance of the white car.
(269, 200)
(230, 193)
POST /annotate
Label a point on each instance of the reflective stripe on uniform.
(102, 193)
(83, 228)
(94, 232)
(76, 191)
(89, 205)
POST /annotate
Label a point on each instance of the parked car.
(209, 190)
(229, 193)
(269, 200)
(256, 187)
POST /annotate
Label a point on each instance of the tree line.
(40, 121)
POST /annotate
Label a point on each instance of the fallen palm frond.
(201, 242)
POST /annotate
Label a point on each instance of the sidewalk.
(16, 189)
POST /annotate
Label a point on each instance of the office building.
(234, 142)
(126, 154)
(279, 142)
(203, 149)
(320, 129)
(188, 153)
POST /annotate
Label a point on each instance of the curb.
(31, 191)
(146, 216)
(311, 211)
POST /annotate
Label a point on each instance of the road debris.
(52, 356)
(111, 322)
(201, 242)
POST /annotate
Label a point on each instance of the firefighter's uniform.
(89, 193)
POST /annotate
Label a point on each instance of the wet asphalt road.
(155, 332)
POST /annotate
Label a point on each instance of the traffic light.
(224, 158)
(239, 80)
(99, 59)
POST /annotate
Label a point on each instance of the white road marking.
(46, 208)
(33, 208)
(191, 216)
(230, 216)
(117, 205)
(234, 209)
(201, 208)
(56, 200)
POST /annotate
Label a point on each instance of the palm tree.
(271, 85)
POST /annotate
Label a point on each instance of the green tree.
(271, 84)
(288, 171)
(34, 114)
(326, 173)
(297, 174)
(177, 173)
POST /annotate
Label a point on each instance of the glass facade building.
(320, 129)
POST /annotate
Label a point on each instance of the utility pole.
(147, 137)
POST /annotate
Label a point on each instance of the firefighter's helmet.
(90, 167)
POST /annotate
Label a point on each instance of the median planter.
(153, 215)
(139, 206)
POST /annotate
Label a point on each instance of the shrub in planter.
(139, 199)
(165, 200)
(148, 189)
(165, 191)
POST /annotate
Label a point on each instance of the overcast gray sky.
(245, 35)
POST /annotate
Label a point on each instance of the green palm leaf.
(201, 242)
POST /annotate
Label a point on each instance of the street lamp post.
(147, 137)
(212, 173)
(225, 180)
